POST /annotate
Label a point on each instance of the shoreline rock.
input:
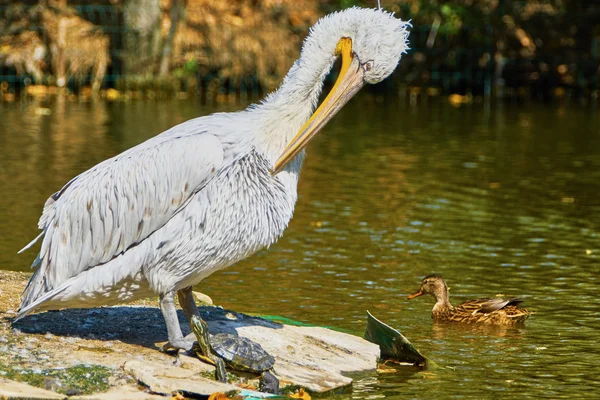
(119, 345)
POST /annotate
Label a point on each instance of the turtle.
(236, 352)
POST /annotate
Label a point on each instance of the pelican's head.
(377, 40)
(369, 42)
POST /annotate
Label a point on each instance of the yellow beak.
(348, 83)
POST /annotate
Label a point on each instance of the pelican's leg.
(176, 340)
(187, 303)
(186, 300)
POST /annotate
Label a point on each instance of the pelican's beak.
(412, 296)
(348, 83)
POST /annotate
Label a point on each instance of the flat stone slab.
(120, 393)
(315, 358)
(166, 380)
(17, 390)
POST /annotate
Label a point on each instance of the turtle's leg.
(220, 372)
(268, 383)
(186, 300)
(176, 340)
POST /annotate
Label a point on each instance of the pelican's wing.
(120, 202)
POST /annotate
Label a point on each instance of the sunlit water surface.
(500, 200)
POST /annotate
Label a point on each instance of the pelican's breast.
(242, 210)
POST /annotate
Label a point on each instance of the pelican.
(163, 215)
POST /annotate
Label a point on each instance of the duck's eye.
(369, 65)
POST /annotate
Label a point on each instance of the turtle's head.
(200, 329)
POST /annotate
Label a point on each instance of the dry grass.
(24, 52)
(241, 39)
(77, 47)
(238, 41)
(52, 40)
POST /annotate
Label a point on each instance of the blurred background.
(538, 49)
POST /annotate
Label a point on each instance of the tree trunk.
(142, 36)
(177, 14)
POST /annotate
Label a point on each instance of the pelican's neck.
(286, 110)
(301, 86)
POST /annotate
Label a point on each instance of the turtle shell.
(241, 353)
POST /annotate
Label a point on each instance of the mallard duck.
(496, 311)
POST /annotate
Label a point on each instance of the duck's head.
(433, 285)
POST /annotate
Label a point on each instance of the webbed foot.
(177, 344)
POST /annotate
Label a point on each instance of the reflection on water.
(500, 200)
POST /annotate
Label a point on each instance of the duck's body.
(205, 194)
(496, 311)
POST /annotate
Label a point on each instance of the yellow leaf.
(300, 394)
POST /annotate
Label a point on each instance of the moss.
(231, 377)
(96, 349)
(79, 379)
(290, 389)
(208, 374)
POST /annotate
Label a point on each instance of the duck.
(496, 311)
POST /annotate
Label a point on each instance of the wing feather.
(486, 306)
(118, 203)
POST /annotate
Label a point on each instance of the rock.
(202, 299)
(163, 379)
(312, 357)
(73, 392)
(52, 384)
(194, 363)
(121, 393)
(393, 344)
(17, 390)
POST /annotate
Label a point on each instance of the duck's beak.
(349, 82)
(412, 296)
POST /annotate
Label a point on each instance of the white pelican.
(161, 216)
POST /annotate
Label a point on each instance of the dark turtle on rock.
(237, 352)
(241, 353)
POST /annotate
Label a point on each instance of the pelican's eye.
(369, 65)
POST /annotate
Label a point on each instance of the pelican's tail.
(38, 284)
(36, 287)
(115, 282)
(28, 304)
(31, 243)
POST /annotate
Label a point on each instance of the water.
(500, 200)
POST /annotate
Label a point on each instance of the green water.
(500, 200)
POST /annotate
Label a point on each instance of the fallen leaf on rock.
(301, 394)
(218, 396)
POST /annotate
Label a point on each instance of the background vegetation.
(539, 48)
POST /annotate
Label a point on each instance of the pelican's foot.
(175, 337)
(177, 344)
